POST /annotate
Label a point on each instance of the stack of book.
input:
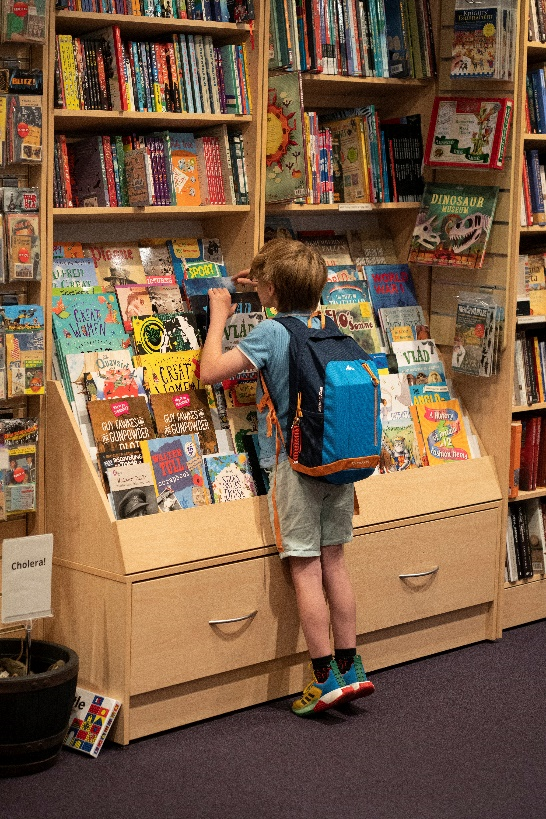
(186, 73)
(484, 40)
(529, 369)
(166, 168)
(220, 11)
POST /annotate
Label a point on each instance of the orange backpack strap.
(266, 402)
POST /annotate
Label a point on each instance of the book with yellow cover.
(170, 372)
(443, 432)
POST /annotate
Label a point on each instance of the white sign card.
(26, 578)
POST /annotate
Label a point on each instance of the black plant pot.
(35, 710)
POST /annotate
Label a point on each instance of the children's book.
(480, 38)
(242, 421)
(229, 477)
(126, 382)
(166, 298)
(186, 413)
(133, 300)
(238, 326)
(116, 264)
(419, 359)
(443, 432)
(204, 270)
(371, 246)
(156, 261)
(120, 424)
(429, 393)
(200, 286)
(473, 347)
(72, 276)
(185, 178)
(332, 246)
(90, 720)
(21, 438)
(170, 372)
(133, 491)
(345, 292)
(356, 320)
(535, 282)
(286, 167)
(165, 333)
(87, 315)
(178, 472)
(468, 132)
(189, 251)
(107, 460)
(399, 447)
(390, 286)
(22, 326)
(403, 323)
(453, 225)
(343, 273)
(22, 245)
(24, 129)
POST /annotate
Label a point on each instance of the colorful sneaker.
(356, 678)
(318, 697)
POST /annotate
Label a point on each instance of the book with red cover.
(515, 456)
(528, 453)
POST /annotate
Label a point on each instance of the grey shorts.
(312, 513)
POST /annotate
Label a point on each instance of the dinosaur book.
(453, 225)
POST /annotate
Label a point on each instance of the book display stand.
(188, 615)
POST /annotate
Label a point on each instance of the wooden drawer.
(173, 642)
(463, 547)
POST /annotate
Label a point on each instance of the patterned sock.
(321, 667)
(344, 658)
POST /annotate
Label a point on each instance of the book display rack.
(179, 617)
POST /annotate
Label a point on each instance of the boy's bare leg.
(312, 608)
(340, 595)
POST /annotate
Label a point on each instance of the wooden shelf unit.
(136, 599)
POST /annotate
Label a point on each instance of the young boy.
(315, 517)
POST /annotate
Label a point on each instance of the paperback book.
(229, 477)
(185, 413)
(356, 320)
(399, 447)
(166, 333)
(443, 432)
(90, 720)
(132, 489)
(120, 424)
(170, 372)
(419, 359)
(178, 473)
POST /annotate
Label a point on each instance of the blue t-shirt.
(267, 347)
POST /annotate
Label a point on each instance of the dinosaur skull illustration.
(467, 231)
(425, 235)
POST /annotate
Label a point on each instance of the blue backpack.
(334, 403)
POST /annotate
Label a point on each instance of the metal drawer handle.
(419, 574)
(234, 619)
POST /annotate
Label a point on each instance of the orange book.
(419, 435)
(515, 453)
(443, 431)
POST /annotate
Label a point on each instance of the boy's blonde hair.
(296, 271)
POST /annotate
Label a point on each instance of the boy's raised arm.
(216, 366)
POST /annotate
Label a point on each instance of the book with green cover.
(286, 175)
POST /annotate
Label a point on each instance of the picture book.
(22, 233)
(121, 423)
(116, 264)
(170, 372)
(185, 178)
(403, 323)
(453, 225)
(350, 133)
(356, 320)
(242, 421)
(390, 286)
(165, 333)
(468, 132)
(90, 720)
(286, 167)
(89, 315)
(156, 261)
(473, 346)
(332, 246)
(343, 273)
(133, 490)
(189, 251)
(133, 300)
(443, 432)
(126, 382)
(419, 359)
(479, 38)
(72, 276)
(166, 298)
(178, 471)
(399, 448)
(186, 413)
(229, 477)
(238, 326)
(345, 292)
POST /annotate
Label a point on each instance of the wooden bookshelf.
(149, 213)
(126, 121)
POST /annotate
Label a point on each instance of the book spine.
(535, 187)
(120, 66)
(515, 457)
(68, 65)
(113, 148)
(524, 541)
(121, 171)
(187, 74)
(202, 73)
(109, 170)
(194, 74)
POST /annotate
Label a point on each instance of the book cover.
(166, 298)
(133, 490)
(200, 286)
(186, 251)
(120, 424)
(429, 393)
(23, 245)
(185, 413)
(202, 269)
(474, 48)
(139, 193)
(345, 292)
(343, 273)
(170, 372)
(20, 200)
(356, 320)
(24, 362)
(229, 477)
(537, 539)
(242, 421)
(183, 159)
(156, 261)
(90, 720)
(133, 300)
(88, 176)
(453, 225)
(238, 326)
(107, 460)
(390, 286)
(116, 264)
(399, 447)
(178, 471)
(24, 129)
(21, 438)
(88, 315)
(419, 359)
(333, 247)
(355, 162)
(166, 332)
(474, 336)
(535, 283)
(286, 174)
(515, 455)
(403, 323)
(72, 276)
(124, 382)
(443, 431)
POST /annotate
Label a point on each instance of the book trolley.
(186, 616)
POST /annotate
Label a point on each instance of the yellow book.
(443, 432)
(3, 108)
(68, 68)
(170, 372)
(354, 161)
(540, 382)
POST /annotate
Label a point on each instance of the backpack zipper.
(375, 382)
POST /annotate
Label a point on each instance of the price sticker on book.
(26, 578)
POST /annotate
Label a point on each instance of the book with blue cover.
(178, 471)
(390, 285)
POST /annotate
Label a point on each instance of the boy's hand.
(242, 278)
(220, 304)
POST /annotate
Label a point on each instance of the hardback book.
(453, 225)
(333, 247)
(90, 720)
(468, 132)
(170, 372)
(403, 323)
(91, 315)
(183, 161)
(286, 167)
(116, 264)
(345, 292)
(71, 276)
(22, 245)
(443, 432)
(356, 320)
(229, 477)
(126, 382)
(186, 413)
(343, 273)
(166, 332)
(121, 423)
(390, 286)
(355, 162)
(522, 540)
(157, 263)
(242, 421)
(419, 359)
(133, 300)
(399, 446)
(103, 362)
(132, 489)
(24, 129)
(178, 471)
(511, 564)
(187, 251)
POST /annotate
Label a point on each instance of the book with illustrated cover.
(133, 300)
(286, 166)
(87, 315)
(185, 413)
(120, 424)
(399, 447)
(189, 251)
(116, 264)
(137, 174)
(201, 286)
(133, 491)
(166, 332)
(429, 393)
(202, 269)
(103, 362)
(352, 135)
(443, 432)
(345, 292)
(24, 353)
(356, 320)
(229, 477)
(170, 372)
(24, 129)
(23, 245)
(473, 347)
(238, 326)
(178, 471)
(20, 200)
(90, 720)
(343, 273)
(125, 382)
(332, 246)
(468, 132)
(71, 276)
(242, 421)
(390, 286)
(419, 359)
(535, 282)
(156, 261)
(20, 437)
(107, 460)
(453, 225)
(166, 298)
(68, 250)
(403, 323)
(240, 391)
(183, 160)
(483, 40)
(87, 175)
